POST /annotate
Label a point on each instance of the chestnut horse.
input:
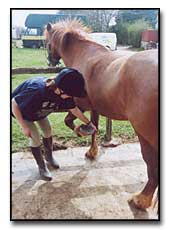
(121, 85)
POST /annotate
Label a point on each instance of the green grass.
(136, 49)
(18, 79)
(62, 133)
(28, 57)
(36, 58)
(25, 57)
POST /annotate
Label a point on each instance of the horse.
(121, 85)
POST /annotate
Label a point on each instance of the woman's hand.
(78, 113)
(93, 126)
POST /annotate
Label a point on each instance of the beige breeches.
(35, 139)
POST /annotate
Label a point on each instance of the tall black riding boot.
(43, 170)
(48, 145)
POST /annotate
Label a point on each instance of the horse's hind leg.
(144, 199)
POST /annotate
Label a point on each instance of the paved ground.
(123, 47)
(80, 189)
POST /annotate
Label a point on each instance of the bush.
(130, 33)
(122, 33)
(134, 32)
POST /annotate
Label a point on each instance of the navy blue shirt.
(36, 101)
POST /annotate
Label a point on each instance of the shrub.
(122, 33)
(130, 33)
(134, 32)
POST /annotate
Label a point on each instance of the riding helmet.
(71, 82)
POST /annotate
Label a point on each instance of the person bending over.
(35, 99)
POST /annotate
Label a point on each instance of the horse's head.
(53, 55)
(62, 36)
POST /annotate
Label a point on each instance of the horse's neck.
(82, 50)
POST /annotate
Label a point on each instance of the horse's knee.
(69, 121)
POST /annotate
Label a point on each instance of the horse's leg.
(69, 120)
(92, 152)
(144, 199)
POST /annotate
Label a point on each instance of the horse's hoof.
(109, 145)
(112, 144)
(90, 156)
(141, 201)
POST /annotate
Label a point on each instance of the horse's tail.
(155, 202)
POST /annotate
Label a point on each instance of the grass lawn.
(37, 58)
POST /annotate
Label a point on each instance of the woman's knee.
(45, 127)
(35, 139)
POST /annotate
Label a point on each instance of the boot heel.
(48, 146)
(45, 174)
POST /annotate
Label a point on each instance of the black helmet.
(71, 82)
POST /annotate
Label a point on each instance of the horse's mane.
(74, 26)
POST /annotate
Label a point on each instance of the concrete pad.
(80, 189)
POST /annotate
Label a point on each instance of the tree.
(130, 16)
(121, 32)
(130, 24)
(97, 20)
(135, 31)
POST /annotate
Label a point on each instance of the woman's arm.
(77, 112)
(18, 115)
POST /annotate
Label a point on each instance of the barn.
(149, 39)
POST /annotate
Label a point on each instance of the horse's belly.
(109, 108)
(83, 103)
(112, 115)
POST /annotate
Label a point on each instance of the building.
(149, 39)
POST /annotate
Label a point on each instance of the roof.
(39, 20)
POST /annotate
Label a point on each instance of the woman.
(35, 99)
